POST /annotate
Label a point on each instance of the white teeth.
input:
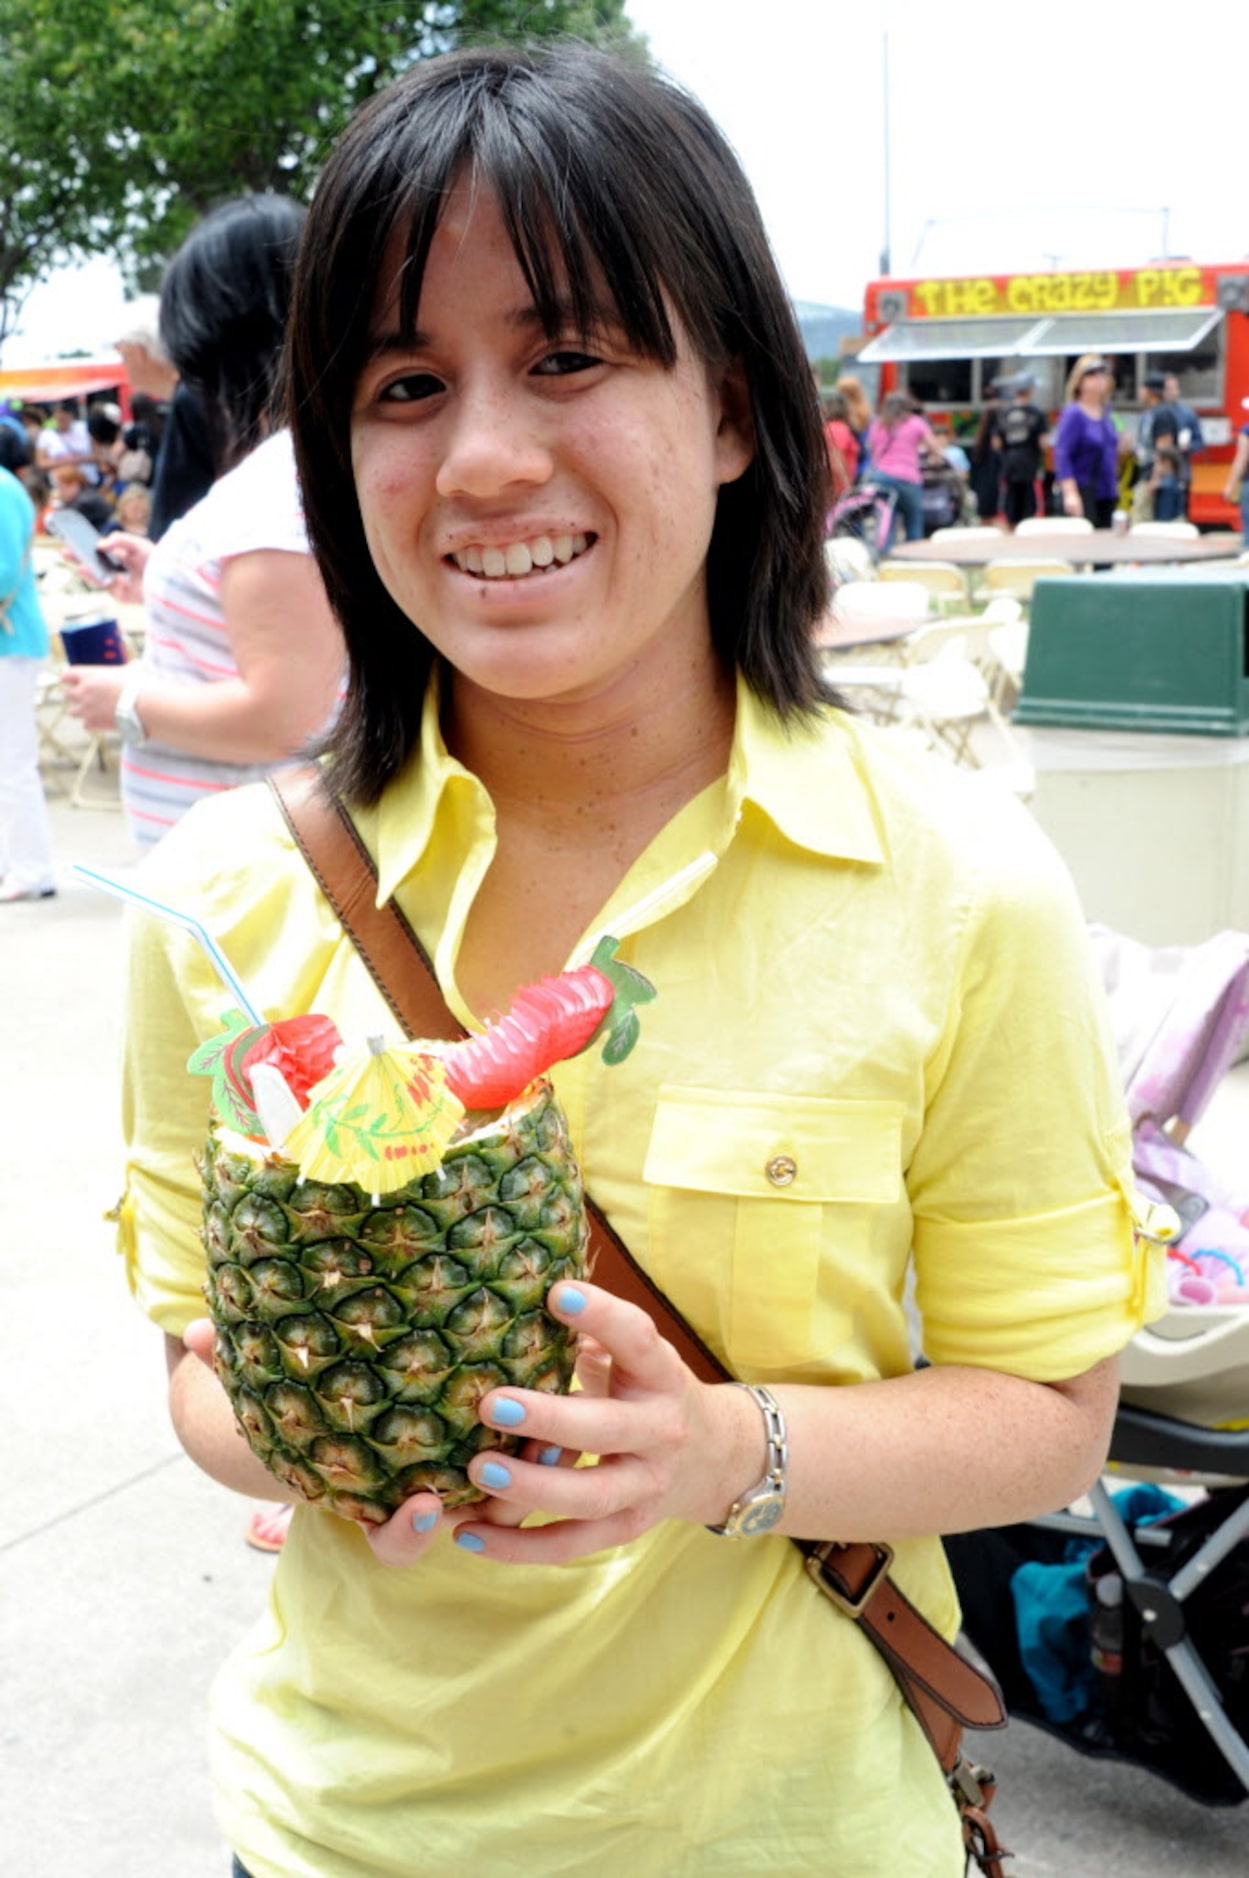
(520, 558)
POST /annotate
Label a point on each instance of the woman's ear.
(735, 432)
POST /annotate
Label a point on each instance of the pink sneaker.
(267, 1528)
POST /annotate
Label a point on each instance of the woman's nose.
(492, 444)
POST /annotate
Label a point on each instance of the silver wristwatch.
(763, 1506)
(130, 726)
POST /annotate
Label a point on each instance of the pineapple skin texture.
(356, 1338)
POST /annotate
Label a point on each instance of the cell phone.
(83, 539)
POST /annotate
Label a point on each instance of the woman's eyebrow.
(561, 315)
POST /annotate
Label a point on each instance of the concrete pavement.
(123, 1573)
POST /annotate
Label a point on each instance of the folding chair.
(1183, 531)
(943, 581)
(848, 558)
(1055, 525)
(1019, 578)
(941, 691)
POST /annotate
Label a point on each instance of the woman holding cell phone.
(242, 659)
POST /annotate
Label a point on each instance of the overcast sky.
(1056, 134)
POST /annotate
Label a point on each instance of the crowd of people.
(1019, 463)
(198, 500)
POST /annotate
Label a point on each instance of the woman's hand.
(91, 694)
(669, 1447)
(1072, 504)
(132, 552)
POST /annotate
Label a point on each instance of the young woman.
(1086, 444)
(242, 658)
(565, 476)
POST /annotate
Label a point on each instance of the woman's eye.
(410, 389)
(561, 364)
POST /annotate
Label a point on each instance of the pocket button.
(782, 1170)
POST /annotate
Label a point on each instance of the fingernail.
(550, 1457)
(569, 1300)
(507, 1413)
(492, 1475)
(470, 1541)
(424, 1522)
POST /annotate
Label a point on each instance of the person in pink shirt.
(897, 443)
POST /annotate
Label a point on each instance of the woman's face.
(542, 509)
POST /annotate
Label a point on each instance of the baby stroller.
(944, 497)
(1125, 1630)
(865, 514)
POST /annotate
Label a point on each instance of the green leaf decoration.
(218, 1057)
(631, 987)
(639, 986)
(621, 1038)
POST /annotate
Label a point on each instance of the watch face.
(761, 1515)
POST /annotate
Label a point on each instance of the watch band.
(763, 1506)
(130, 726)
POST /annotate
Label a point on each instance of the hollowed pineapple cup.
(356, 1335)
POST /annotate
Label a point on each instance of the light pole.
(885, 253)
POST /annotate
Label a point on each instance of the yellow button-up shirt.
(877, 1043)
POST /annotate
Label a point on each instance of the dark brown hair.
(603, 171)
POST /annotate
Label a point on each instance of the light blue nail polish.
(470, 1541)
(506, 1413)
(570, 1301)
(424, 1522)
(551, 1457)
(492, 1475)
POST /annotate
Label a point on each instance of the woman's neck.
(612, 760)
(1096, 407)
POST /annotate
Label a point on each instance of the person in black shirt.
(1019, 431)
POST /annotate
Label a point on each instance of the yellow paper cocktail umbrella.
(382, 1117)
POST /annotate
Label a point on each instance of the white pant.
(25, 837)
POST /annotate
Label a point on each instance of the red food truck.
(945, 340)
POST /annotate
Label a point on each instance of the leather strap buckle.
(852, 1599)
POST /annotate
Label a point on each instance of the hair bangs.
(577, 246)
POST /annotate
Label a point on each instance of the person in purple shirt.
(1086, 445)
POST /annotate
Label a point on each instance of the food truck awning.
(912, 341)
(1154, 329)
(44, 383)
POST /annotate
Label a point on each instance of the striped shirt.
(187, 640)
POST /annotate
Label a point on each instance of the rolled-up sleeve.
(1027, 1249)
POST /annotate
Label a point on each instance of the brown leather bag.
(943, 1690)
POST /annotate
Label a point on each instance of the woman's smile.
(519, 560)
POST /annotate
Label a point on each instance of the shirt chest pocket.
(746, 1193)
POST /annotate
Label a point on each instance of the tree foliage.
(122, 121)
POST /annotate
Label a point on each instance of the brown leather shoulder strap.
(942, 1689)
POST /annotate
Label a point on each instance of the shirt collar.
(805, 777)
(408, 811)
